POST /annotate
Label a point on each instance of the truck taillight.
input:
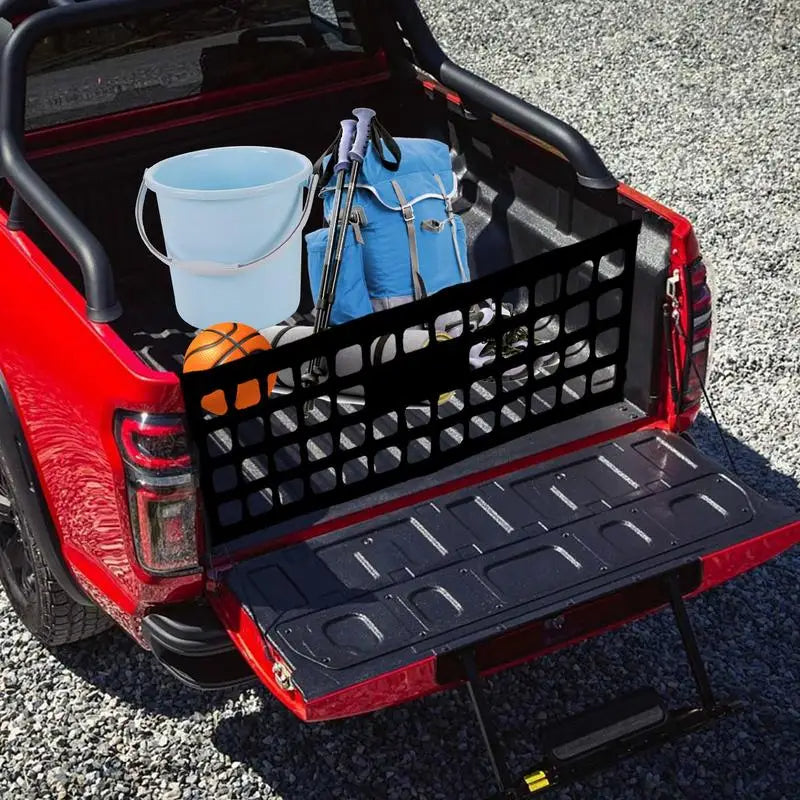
(162, 493)
(701, 302)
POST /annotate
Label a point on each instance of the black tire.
(40, 602)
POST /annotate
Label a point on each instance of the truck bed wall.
(518, 200)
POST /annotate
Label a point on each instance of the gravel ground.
(696, 105)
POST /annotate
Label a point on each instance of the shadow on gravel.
(404, 752)
(432, 748)
(751, 466)
(118, 666)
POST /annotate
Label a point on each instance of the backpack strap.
(408, 217)
(323, 169)
(452, 217)
(381, 138)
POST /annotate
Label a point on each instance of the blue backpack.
(404, 240)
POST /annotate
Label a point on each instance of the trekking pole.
(342, 166)
(355, 157)
(344, 144)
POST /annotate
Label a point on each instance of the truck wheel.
(43, 606)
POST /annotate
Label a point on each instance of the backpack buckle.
(357, 219)
(408, 212)
(433, 225)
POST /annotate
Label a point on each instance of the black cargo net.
(560, 354)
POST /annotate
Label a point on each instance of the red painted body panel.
(70, 376)
(67, 377)
(246, 636)
(726, 564)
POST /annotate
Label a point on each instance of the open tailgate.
(385, 599)
(437, 577)
(388, 598)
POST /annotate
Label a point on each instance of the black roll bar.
(590, 169)
(81, 243)
(74, 236)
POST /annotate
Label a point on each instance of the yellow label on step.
(536, 781)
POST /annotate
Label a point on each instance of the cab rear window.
(205, 47)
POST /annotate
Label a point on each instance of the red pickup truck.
(373, 553)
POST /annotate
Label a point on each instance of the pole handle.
(363, 131)
(346, 141)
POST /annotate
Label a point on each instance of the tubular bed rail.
(590, 170)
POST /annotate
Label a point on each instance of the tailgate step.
(598, 738)
(598, 727)
(438, 577)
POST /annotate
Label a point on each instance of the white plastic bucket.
(232, 219)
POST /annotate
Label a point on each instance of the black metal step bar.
(696, 664)
(491, 739)
(552, 772)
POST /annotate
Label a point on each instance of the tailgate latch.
(283, 676)
(672, 285)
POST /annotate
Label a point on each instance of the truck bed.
(473, 564)
(517, 200)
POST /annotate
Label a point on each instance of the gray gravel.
(697, 105)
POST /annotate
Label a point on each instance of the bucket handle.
(214, 267)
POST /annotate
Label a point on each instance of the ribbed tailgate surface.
(431, 578)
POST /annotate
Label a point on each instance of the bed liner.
(445, 575)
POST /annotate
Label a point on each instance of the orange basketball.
(221, 344)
